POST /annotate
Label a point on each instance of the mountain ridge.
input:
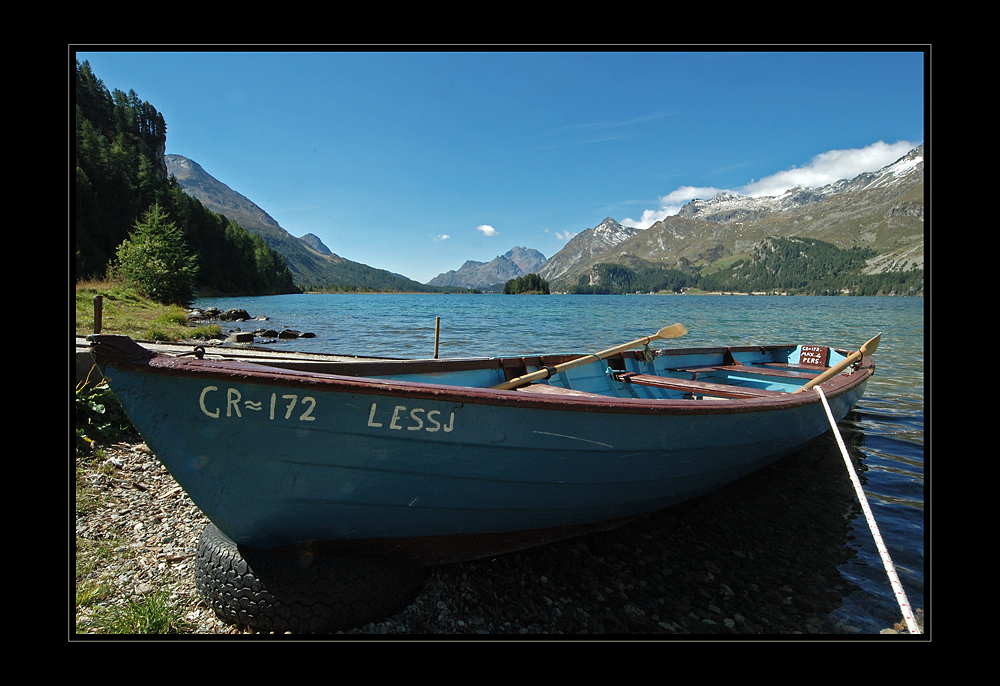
(313, 264)
(492, 275)
(583, 247)
(882, 210)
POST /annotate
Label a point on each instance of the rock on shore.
(237, 315)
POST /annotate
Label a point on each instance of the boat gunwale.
(140, 360)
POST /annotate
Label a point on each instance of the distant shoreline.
(724, 293)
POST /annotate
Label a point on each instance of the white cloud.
(561, 235)
(821, 170)
(828, 167)
(440, 237)
(670, 204)
(486, 230)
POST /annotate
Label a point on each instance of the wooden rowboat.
(446, 460)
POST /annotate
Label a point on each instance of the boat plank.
(548, 389)
(699, 387)
(762, 370)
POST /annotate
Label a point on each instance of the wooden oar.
(866, 351)
(672, 331)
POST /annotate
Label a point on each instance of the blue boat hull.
(277, 459)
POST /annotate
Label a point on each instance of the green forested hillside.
(796, 266)
(313, 270)
(120, 174)
(801, 266)
(620, 279)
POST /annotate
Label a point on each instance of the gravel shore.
(755, 559)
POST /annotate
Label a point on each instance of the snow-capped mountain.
(883, 210)
(733, 207)
(585, 245)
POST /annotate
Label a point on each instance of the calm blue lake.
(885, 433)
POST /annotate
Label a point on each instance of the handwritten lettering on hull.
(416, 419)
(285, 406)
(814, 355)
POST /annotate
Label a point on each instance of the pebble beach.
(714, 567)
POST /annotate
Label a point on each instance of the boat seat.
(806, 373)
(547, 389)
(697, 387)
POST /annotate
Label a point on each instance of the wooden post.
(437, 334)
(98, 312)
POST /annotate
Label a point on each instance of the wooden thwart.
(547, 389)
(697, 387)
(759, 370)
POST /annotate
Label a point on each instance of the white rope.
(904, 604)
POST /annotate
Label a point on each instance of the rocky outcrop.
(214, 313)
(237, 335)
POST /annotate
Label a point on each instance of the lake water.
(885, 433)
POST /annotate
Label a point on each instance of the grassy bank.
(126, 312)
(104, 603)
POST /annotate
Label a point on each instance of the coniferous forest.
(800, 266)
(793, 266)
(121, 175)
(529, 283)
(620, 279)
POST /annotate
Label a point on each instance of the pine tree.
(154, 259)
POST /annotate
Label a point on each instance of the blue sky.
(418, 161)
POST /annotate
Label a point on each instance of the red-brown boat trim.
(127, 354)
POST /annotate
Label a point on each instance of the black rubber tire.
(299, 591)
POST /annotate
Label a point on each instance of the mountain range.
(882, 210)
(313, 264)
(491, 276)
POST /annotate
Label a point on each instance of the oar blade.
(871, 346)
(672, 331)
